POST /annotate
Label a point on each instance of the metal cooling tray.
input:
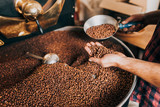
(115, 40)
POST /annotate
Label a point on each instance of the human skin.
(145, 19)
(148, 71)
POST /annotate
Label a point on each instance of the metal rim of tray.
(73, 28)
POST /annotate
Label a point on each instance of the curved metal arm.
(13, 27)
(34, 56)
(39, 26)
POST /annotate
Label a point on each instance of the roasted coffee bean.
(26, 81)
(101, 31)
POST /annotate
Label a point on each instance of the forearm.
(146, 70)
(152, 17)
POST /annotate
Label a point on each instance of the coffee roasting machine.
(22, 18)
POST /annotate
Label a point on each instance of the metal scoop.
(50, 58)
(105, 19)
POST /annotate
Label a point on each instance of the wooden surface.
(139, 39)
(121, 7)
(142, 3)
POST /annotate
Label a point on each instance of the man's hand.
(134, 18)
(107, 60)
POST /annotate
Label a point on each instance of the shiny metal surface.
(49, 58)
(1, 42)
(17, 26)
(127, 51)
(30, 9)
(99, 20)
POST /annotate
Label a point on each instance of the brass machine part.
(1, 42)
(30, 9)
(14, 26)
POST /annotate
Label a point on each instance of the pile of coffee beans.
(74, 81)
(101, 31)
(100, 51)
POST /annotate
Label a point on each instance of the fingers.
(132, 28)
(88, 45)
(128, 20)
(88, 50)
(125, 29)
(98, 44)
(96, 60)
(92, 43)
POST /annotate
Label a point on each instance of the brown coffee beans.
(101, 31)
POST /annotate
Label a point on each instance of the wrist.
(144, 19)
(119, 61)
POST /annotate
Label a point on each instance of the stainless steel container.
(127, 51)
(99, 20)
(105, 19)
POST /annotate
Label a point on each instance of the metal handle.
(34, 56)
(121, 26)
(119, 19)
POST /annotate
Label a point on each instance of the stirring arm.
(34, 56)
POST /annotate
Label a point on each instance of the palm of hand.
(108, 60)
